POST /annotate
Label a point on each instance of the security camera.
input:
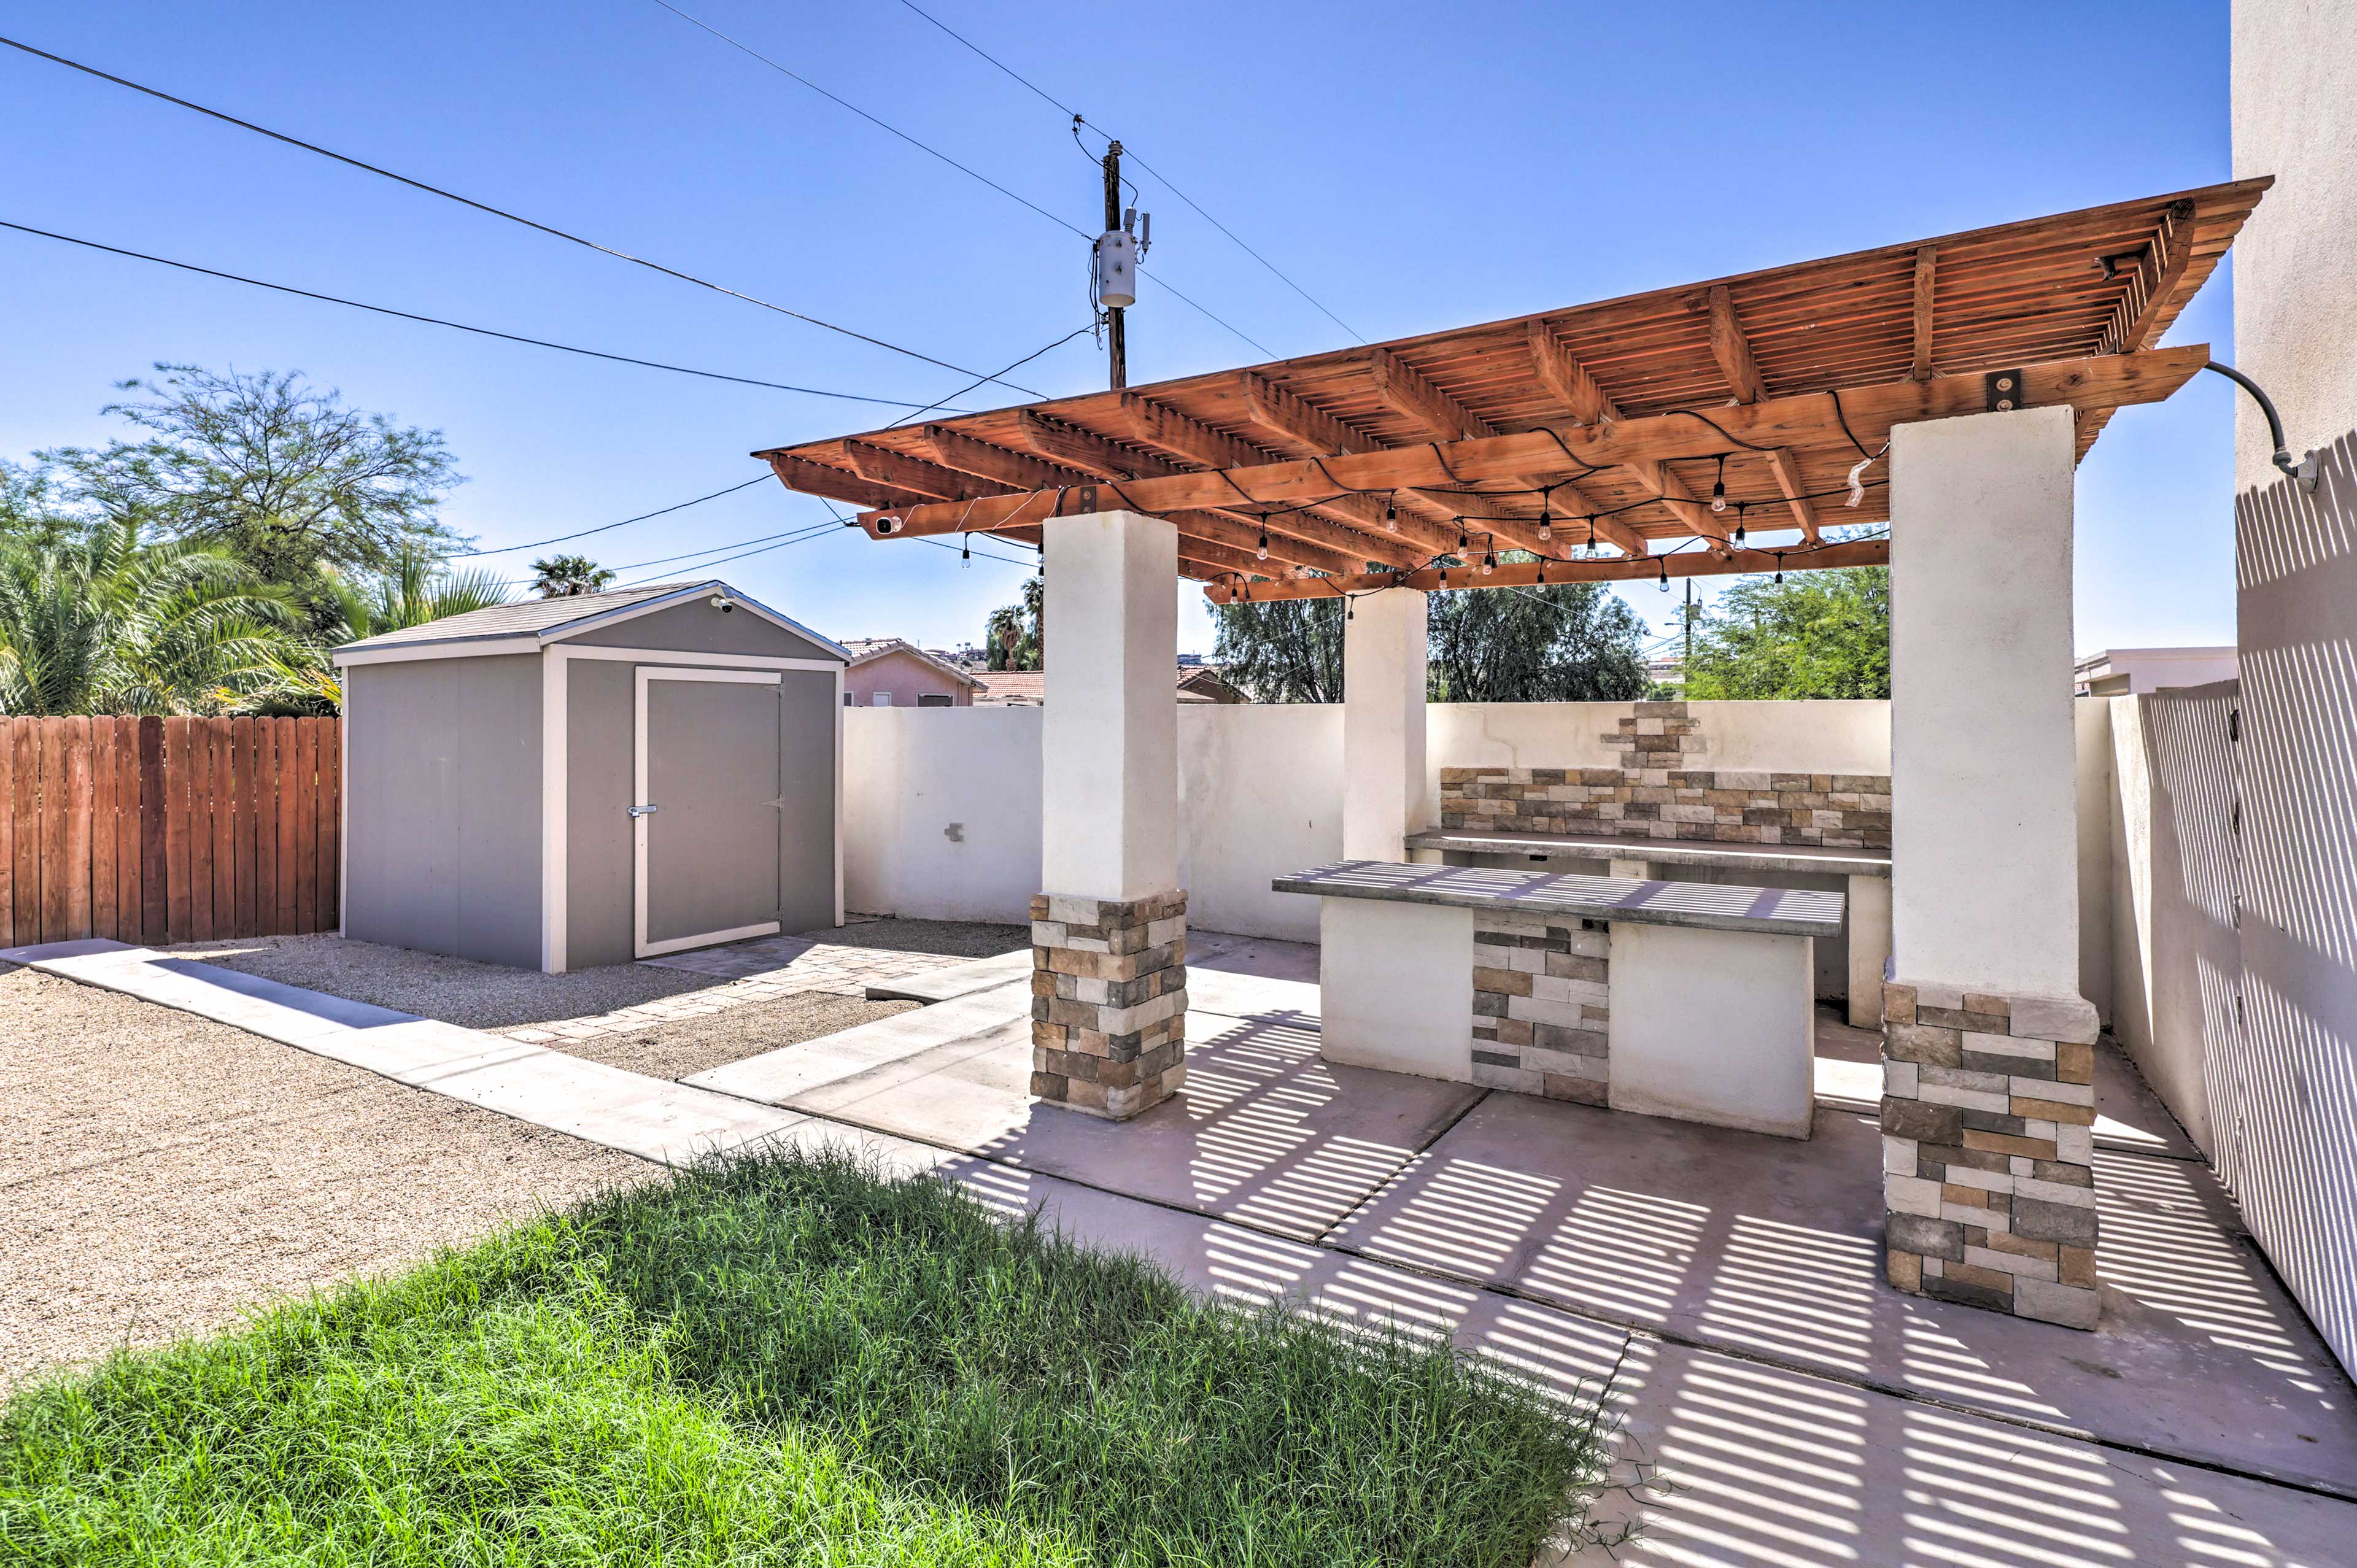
(723, 604)
(887, 525)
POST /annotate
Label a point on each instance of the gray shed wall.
(600, 737)
(442, 816)
(696, 628)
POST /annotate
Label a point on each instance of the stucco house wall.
(900, 679)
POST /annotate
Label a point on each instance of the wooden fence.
(153, 831)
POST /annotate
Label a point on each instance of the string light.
(1740, 508)
(1463, 543)
(1546, 514)
(1665, 576)
(966, 555)
(1780, 565)
(1261, 554)
(1718, 486)
(1390, 517)
(1489, 561)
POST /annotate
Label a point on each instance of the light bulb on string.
(1462, 542)
(1739, 507)
(1546, 514)
(1780, 565)
(1665, 576)
(1488, 562)
(966, 555)
(1262, 553)
(1390, 517)
(1719, 487)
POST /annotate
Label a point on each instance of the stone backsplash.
(1664, 788)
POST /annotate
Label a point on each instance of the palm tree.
(104, 624)
(562, 576)
(418, 589)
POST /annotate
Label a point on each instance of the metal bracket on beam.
(1082, 496)
(2005, 391)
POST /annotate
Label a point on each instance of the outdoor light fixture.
(965, 553)
(1719, 487)
(1488, 562)
(1261, 554)
(1665, 576)
(1739, 520)
(1461, 542)
(1780, 565)
(1546, 530)
(1390, 517)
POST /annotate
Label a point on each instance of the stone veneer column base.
(1542, 1006)
(1108, 1002)
(1989, 1113)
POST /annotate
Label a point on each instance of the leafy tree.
(1571, 642)
(1286, 651)
(1817, 634)
(1565, 643)
(562, 576)
(32, 512)
(1015, 635)
(281, 475)
(106, 624)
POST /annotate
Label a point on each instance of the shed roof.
(1599, 425)
(862, 649)
(554, 619)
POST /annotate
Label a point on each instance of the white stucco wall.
(1260, 790)
(2287, 1129)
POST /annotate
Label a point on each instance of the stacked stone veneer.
(1989, 1112)
(1541, 1006)
(1661, 791)
(1108, 1002)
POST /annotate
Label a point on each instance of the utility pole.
(1685, 664)
(1118, 338)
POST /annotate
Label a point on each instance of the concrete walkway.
(1725, 1285)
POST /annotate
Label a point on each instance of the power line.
(963, 168)
(563, 538)
(458, 325)
(1141, 162)
(486, 207)
(801, 537)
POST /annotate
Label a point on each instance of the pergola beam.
(897, 469)
(1803, 422)
(2153, 283)
(1540, 574)
(1787, 469)
(821, 479)
(1156, 425)
(1564, 378)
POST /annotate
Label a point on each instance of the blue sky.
(1413, 166)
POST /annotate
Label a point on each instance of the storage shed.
(561, 783)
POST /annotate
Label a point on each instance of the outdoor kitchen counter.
(1852, 971)
(1681, 999)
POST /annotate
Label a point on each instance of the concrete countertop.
(1777, 911)
(1665, 852)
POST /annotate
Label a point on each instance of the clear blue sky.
(1413, 166)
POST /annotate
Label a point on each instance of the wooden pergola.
(1594, 438)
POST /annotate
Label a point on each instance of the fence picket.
(168, 830)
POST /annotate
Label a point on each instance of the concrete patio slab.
(1763, 1464)
(649, 1117)
(1760, 1465)
(1773, 1249)
(1266, 1132)
(956, 980)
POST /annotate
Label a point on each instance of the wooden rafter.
(1694, 564)
(2152, 282)
(955, 449)
(1155, 424)
(820, 480)
(1306, 431)
(1800, 423)
(1564, 378)
(1730, 347)
(1927, 268)
(1787, 471)
(902, 472)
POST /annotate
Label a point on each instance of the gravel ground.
(683, 1046)
(162, 1173)
(477, 996)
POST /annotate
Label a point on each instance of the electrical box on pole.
(1112, 263)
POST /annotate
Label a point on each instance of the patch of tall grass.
(786, 1360)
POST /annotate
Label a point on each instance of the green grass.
(788, 1360)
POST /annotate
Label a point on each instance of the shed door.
(709, 744)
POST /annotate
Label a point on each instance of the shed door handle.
(638, 811)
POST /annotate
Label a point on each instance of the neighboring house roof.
(552, 620)
(862, 649)
(1028, 688)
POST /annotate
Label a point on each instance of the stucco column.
(1988, 1065)
(1382, 725)
(1108, 932)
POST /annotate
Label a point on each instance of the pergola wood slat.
(1606, 379)
(1541, 574)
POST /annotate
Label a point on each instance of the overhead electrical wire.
(497, 211)
(741, 46)
(459, 326)
(1131, 154)
(564, 538)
